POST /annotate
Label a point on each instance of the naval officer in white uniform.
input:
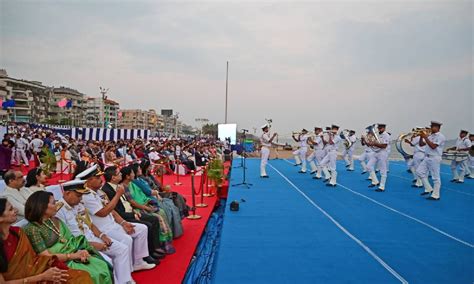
(266, 142)
(432, 161)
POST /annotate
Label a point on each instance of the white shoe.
(143, 266)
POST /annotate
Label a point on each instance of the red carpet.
(173, 268)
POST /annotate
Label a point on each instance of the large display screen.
(226, 131)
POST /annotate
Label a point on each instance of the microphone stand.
(243, 160)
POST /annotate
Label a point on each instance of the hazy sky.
(303, 64)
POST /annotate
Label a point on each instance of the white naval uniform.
(365, 157)
(75, 219)
(300, 154)
(418, 156)
(471, 166)
(347, 154)
(136, 243)
(317, 155)
(265, 151)
(21, 146)
(464, 165)
(36, 144)
(431, 165)
(330, 159)
(380, 159)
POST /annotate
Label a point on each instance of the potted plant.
(48, 161)
(215, 173)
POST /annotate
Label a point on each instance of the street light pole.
(226, 88)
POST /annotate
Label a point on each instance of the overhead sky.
(303, 64)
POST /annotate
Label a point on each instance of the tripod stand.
(244, 168)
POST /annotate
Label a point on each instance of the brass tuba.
(371, 136)
(345, 136)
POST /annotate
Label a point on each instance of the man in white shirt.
(431, 163)
(471, 157)
(77, 218)
(348, 152)
(329, 161)
(300, 154)
(463, 144)
(418, 156)
(35, 145)
(365, 157)
(15, 191)
(318, 154)
(21, 145)
(266, 142)
(380, 158)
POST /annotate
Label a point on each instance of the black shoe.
(416, 186)
(151, 260)
(297, 165)
(453, 180)
(363, 173)
(413, 181)
(432, 198)
(331, 185)
(316, 178)
(379, 190)
(347, 166)
(409, 171)
(313, 172)
(326, 180)
(458, 181)
(265, 176)
(156, 255)
(373, 185)
(301, 172)
(425, 193)
(350, 170)
(368, 179)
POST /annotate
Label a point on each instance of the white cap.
(264, 126)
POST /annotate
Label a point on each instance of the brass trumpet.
(418, 130)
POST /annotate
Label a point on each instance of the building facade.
(31, 99)
(101, 113)
(74, 115)
(140, 119)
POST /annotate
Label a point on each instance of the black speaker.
(234, 206)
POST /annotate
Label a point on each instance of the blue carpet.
(279, 236)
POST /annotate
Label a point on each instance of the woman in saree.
(20, 264)
(172, 212)
(36, 179)
(143, 204)
(49, 236)
(178, 200)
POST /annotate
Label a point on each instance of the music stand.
(242, 160)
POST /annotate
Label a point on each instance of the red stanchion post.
(193, 216)
(206, 182)
(202, 204)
